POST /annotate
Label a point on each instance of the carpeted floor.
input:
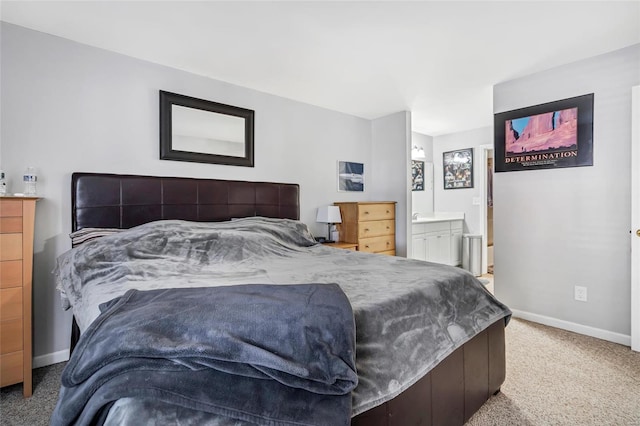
(554, 377)
(16, 410)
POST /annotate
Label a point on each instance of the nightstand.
(343, 245)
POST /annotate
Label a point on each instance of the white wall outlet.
(580, 293)
(475, 201)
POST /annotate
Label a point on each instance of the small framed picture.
(350, 176)
(417, 175)
(457, 167)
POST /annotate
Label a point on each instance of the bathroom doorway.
(485, 183)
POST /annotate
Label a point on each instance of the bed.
(420, 385)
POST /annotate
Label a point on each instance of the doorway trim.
(635, 218)
(483, 155)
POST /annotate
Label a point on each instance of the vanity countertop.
(438, 217)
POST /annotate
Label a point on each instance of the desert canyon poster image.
(552, 135)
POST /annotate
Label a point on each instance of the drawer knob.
(388, 243)
(366, 229)
(366, 212)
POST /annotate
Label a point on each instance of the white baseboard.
(49, 359)
(610, 336)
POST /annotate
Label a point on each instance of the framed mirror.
(203, 131)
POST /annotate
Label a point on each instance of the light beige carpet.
(555, 377)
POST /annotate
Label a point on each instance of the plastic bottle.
(29, 178)
(3, 184)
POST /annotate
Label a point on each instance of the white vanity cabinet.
(456, 242)
(437, 241)
(418, 245)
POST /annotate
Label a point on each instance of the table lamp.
(329, 215)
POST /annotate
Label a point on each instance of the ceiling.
(438, 60)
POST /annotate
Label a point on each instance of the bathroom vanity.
(438, 238)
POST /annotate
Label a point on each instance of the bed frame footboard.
(453, 391)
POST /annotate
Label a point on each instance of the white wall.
(460, 200)
(391, 177)
(422, 201)
(69, 107)
(555, 229)
(423, 141)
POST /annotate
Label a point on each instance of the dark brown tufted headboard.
(123, 201)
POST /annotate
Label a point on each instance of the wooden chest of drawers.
(17, 215)
(343, 245)
(371, 225)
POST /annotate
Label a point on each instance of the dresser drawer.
(10, 303)
(17, 218)
(377, 244)
(376, 228)
(343, 245)
(376, 212)
(10, 208)
(10, 225)
(10, 336)
(11, 273)
(10, 247)
(11, 368)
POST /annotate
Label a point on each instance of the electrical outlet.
(580, 293)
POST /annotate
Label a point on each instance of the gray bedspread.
(265, 354)
(409, 314)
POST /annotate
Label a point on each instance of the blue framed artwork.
(350, 176)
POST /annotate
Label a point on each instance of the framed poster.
(417, 175)
(457, 167)
(547, 136)
(350, 176)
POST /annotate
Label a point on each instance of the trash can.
(472, 253)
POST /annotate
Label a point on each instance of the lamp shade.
(329, 214)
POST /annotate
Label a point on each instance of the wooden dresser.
(343, 245)
(371, 225)
(17, 216)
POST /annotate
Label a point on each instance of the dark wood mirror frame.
(168, 151)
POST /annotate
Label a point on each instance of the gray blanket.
(286, 352)
(409, 314)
